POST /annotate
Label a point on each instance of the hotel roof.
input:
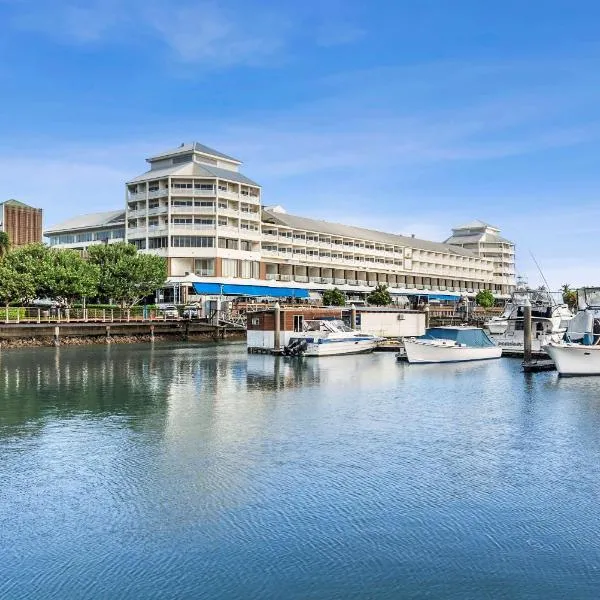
(193, 147)
(192, 169)
(100, 219)
(348, 231)
(476, 224)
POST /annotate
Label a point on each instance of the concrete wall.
(392, 324)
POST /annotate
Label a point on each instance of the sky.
(410, 116)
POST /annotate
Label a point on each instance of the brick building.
(23, 223)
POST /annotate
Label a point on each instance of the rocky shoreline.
(45, 341)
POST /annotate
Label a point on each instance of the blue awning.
(449, 297)
(236, 289)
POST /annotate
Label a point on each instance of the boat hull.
(336, 348)
(419, 352)
(573, 360)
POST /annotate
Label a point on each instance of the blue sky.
(408, 116)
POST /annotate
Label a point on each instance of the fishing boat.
(451, 344)
(322, 337)
(549, 321)
(579, 354)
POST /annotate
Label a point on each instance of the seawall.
(18, 335)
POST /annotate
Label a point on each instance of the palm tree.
(4, 244)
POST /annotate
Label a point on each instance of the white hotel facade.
(194, 207)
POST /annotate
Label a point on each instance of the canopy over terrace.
(235, 289)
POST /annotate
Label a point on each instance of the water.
(201, 472)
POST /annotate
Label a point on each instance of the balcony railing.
(159, 193)
(193, 192)
(228, 194)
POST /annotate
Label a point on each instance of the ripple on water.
(199, 471)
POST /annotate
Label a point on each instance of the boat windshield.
(476, 338)
(589, 298)
(334, 326)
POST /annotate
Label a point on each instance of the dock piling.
(277, 327)
(527, 331)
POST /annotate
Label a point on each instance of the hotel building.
(21, 222)
(194, 207)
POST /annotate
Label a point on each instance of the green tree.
(4, 243)
(34, 261)
(569, 296)
(14, 286)
(127, 276)
(485, 298)
(334, 297)
(380, 296)
(72, 276)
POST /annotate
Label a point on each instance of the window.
(229, 267)
(189, 241)
(204, 186)
(158, 242)
(204, 222)
(182, 203)
(182, 220)
(228, 243)
(139, 244)
(204, 267)
(246, 246)
(298, 322)
(249, 269)
(205, 203)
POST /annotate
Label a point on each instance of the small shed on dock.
(383, 322)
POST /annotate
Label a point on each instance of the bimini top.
(469, 336)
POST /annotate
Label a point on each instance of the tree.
(4, 244)
(380, 296)
(334, 297)
(72, 276)
(485, 298)
(15, 286)
(127, 276)
(33, 261)
(569, 296)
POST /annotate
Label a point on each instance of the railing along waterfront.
(33, 315)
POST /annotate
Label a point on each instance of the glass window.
(189, 241)
(204, 267)
(229, 267)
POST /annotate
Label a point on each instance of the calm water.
(201, 472)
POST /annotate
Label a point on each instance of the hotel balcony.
(229, 212)
(211, 193)
(157, 230)
(191, 210)
(136, 232)
(229, 195)
(134, 214)
(157, 210)
(188, 228)
(161, 193)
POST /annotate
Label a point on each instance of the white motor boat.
(574, 359)
(329, 338)
(580, 353)
(451, 344)
(549, 321)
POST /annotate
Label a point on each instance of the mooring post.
(39, 316)
(108, 334)
(277, 330)
(151, 333)
(353, 317)
(426, 311)
(527, 331)
(57, 335)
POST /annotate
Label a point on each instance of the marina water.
(173, 471)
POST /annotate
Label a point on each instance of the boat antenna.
(543, 279)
